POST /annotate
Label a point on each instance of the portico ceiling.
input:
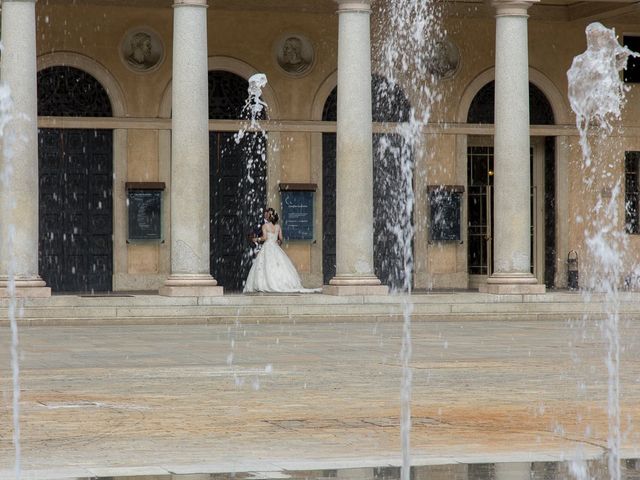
(626, 11)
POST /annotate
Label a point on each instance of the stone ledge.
(328, 319)
(27, 292)
(191, 291)
(513, 289)
(340, 290)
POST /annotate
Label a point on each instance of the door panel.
(389, 203)
(328, 207)
(76, 211)
(236, 204)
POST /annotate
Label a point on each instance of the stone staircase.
(145, 308)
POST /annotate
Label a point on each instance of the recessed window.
(632, 192)
(632, 73)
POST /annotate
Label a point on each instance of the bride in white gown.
(272, 270)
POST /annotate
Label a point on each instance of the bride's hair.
(274, 216)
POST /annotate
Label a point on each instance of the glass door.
(480, 213)
(480, 176)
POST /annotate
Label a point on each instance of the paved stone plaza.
(244, 396)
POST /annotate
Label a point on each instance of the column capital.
(363, 6)
(190, 3)
(512, 8)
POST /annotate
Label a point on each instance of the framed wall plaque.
(297, 210)
(144, 206)
(445, 213)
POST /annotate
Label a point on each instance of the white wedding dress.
(272, 271)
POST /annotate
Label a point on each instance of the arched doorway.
(480, 189)
(237, 182)
(76, 184)
(389, 104)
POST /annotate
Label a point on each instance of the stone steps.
(143, 309)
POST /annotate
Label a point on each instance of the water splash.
(406, 57)
(252, 139)
(9, 141)
(254, 107)
(596, 95)
(596, 92)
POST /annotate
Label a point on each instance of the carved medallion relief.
(142, 50)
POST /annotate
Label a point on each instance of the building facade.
(133, 177)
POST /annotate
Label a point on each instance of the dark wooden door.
(389, 201)
(237, 200)
(391, 227)
(328, 207)
(76, 209)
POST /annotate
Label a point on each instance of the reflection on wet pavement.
(588, 470)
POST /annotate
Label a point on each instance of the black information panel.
(145, 213)
(297, 215)
(445, 207)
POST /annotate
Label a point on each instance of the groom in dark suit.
(257, 231)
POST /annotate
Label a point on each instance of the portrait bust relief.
(142, 50)
(294, 54)
(444, 59)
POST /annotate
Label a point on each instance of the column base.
(512, 284)
(342, 285)
(25, 288)
(191, 286)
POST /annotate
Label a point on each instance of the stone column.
(512, 216)
(190, 275)
(19, 169)
(354, 175)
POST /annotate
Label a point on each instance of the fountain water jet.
(254, 106)
(407, 57)
(254, 144)
(8, 143)
(596, 95)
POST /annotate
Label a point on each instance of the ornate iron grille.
(228, 93)
(70, 92)
(389, 103)
(330, 110)
(481, 109)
